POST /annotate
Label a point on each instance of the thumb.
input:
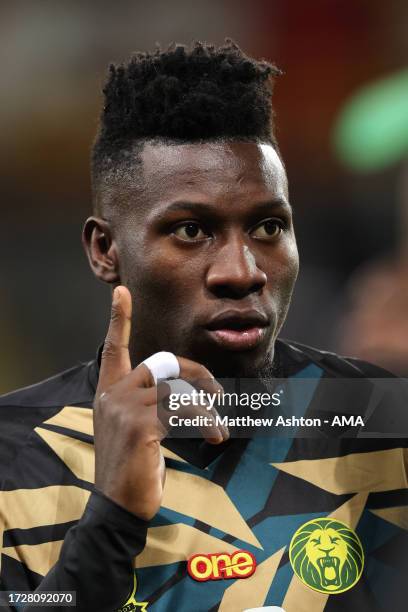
(115, 363)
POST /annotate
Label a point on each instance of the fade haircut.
(181, 95)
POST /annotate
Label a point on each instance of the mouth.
(329, 571)
(238, 330)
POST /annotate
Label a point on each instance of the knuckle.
(103, 401)
(204, 373)
(123, 411)
(115, 314)
(114, 414)
(109, 349)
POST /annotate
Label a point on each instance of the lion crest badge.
(327, 555)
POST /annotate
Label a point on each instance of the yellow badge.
(132, 604)
(327, 555)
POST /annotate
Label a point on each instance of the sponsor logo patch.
(327, 555)
(217, 566)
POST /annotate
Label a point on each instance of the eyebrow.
(210, 209)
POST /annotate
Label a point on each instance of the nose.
(327, 550)
(234, 272)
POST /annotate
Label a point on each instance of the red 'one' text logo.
(239, 564)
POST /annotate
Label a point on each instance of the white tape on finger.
(163, 365)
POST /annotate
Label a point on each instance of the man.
(193, 229)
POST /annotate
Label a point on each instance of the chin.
(248, 364)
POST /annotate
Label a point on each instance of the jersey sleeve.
(97, 558)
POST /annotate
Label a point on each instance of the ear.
(101, 249)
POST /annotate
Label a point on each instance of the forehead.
(332, 532)
(316, 533)
(324, 532)
(213, 170)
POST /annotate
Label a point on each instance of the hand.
(129, 465)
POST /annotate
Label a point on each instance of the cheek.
(292, 262)
(162, 282)
(283, 271)
(282, 268)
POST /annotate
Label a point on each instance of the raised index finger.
(115, 363)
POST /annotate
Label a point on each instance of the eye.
(270, 228)
(315, 541)
(190, 231)
(334, 540)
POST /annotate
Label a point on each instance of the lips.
(238, 330)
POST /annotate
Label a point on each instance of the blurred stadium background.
(349, 205)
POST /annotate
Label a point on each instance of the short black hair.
(184, 95)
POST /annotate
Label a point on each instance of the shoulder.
(68, 387)
(23, 410)
(333, 365)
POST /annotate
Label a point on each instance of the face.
(209, 254)
(327, 551)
